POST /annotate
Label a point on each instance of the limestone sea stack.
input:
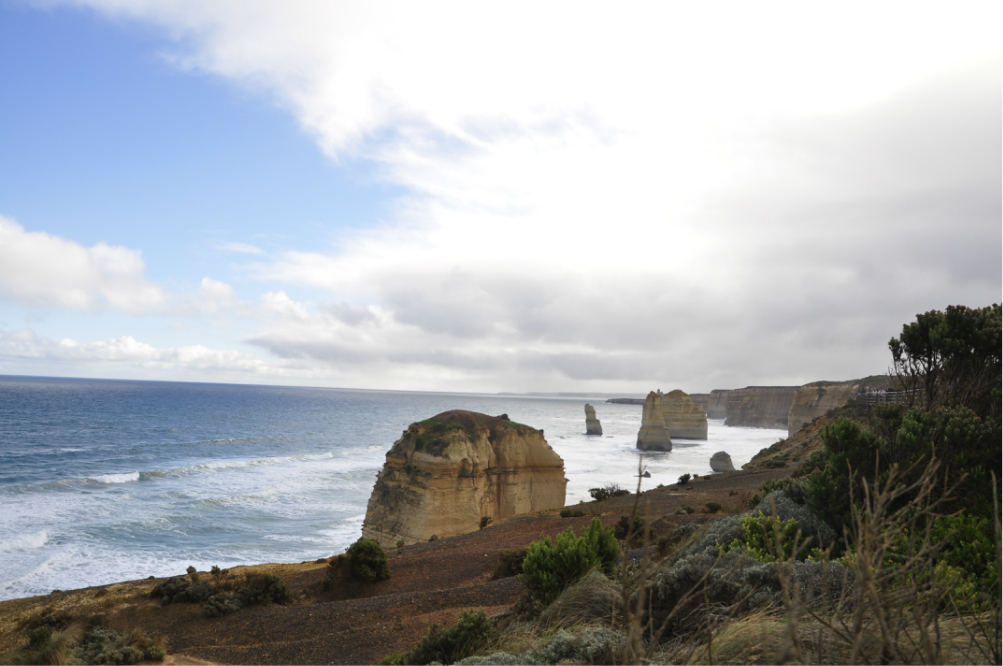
(592, 425)
(721, 462)
(653, 435)
(446, 472)
(683, 417)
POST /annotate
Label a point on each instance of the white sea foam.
(24, 542)
(128, 477)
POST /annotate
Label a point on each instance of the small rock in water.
(721, 462)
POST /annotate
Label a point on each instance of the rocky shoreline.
(432, 583)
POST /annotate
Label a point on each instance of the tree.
(951, 359)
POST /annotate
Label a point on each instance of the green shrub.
(368, 561)
(400, 543)
(105, 646)
(192, 574)
(635, 528)
(509, 563)
(684, 479)
(264, 588)
(714, 507)
(472, 632)
(551, 566)
(568, 512)
(759, 539)
(485, 521)
(607, 491)
(434, 537)
(686, 508)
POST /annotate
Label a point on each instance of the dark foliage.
(263, 588)
(368, 561)
(551, 566)
(509, 563)
(447, 646)
(607, 491)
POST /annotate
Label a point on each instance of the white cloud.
(241, 248)
(124, 354)
(722, 193)
(41, 270)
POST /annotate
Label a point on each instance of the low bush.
(368, 561)
(263, 588)
(485, 521)
(713, 507)
(472, 632)
(551, 566)
(509, 563)
(607, 491)
(634, 528)
(686, 508)
(568, 512)
(769, 539)
(588, 645)
(684, 479)
(594, 598)
(221, 596)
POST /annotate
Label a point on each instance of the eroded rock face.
(592, 425)
(445, 473)
(760, 406)
(815, 399)
(683, 417)
(721, 462)
(653, 435)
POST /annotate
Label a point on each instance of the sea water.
(104, 481)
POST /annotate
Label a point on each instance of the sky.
(457, 196)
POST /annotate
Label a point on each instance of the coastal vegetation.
(873, 536)
(884, 546)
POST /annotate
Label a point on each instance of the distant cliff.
(817, 398)
(760, 406)
(445, 473)
(714, 404)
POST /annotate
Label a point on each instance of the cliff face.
(592, 425)
(445, 473)
(653, 435)
(815, 399)
(683, 418)
(714, 404)
(760, 406)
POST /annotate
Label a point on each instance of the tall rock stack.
(683, 418)
(446, 472)
(592, 425)
(653, 435)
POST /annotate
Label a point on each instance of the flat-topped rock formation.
(653, 435)
(815, 399)
(760, 406)
(445, 473)
(721, 462)
(682, 416)
(592, 425)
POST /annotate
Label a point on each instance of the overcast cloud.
(609, 196)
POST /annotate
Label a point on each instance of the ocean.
(105, 480)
